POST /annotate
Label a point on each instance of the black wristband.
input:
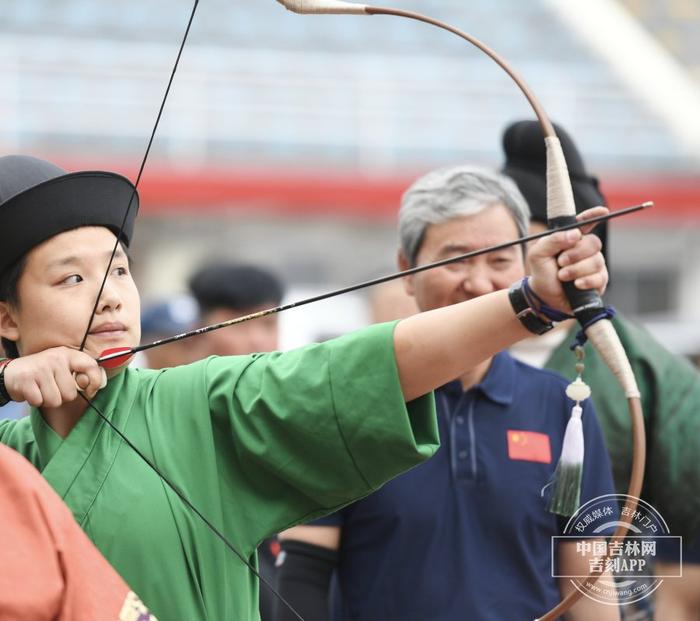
(304, 575)
(4, 395)
(524, 312)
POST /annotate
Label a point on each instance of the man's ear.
(8, 325)
(404, 265)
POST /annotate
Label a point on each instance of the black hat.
(39, 200)
(526, 164)
(226, 285)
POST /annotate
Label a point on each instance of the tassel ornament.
(566, 496)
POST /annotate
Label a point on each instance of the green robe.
(257, 443)
(670, 389)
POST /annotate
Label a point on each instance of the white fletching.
(560, 196)
(324, 6)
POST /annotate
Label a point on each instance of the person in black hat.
(227, 290)
(42, 204)
(257, 443)
(669, 385)
(51, 570)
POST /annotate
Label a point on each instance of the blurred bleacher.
(676, 23)
(259, 84)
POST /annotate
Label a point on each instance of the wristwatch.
(4, 395)
(524, 312)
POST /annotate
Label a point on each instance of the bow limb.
(561, 210)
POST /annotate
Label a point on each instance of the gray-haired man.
(465, 535)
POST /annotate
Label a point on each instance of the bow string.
(132, 200)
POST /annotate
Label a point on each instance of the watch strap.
(4, 395)
(524, 311)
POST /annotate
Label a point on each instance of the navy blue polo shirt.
(466, 535)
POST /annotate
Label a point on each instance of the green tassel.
(566, 496)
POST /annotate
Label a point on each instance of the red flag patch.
(529, 446)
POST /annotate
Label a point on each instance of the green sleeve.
(285, 437)
(18, 435)
(6, 429)
(671, 402)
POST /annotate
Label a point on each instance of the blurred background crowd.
(288, 140)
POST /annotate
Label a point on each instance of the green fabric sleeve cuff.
(383, 434)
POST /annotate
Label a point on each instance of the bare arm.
(678, 598)
(437, 346)
(323, 536)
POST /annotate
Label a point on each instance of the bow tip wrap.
(560, 196)
(606, 341)
(324, 6)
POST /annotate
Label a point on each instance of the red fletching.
(117, 361)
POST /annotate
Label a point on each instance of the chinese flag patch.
(529, 446)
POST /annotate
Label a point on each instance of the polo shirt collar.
(498, 385)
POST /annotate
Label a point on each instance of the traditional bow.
(561, 211)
